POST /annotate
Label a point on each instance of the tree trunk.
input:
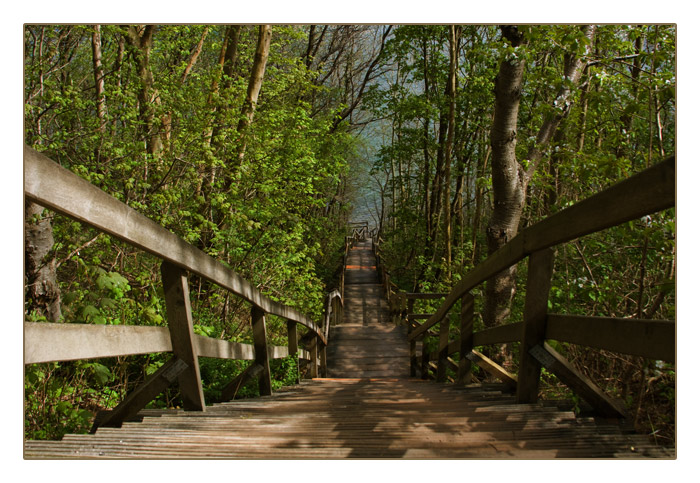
(256, 78)
(452, 95)
(43, 295)
(508, 179)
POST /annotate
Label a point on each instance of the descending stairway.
(365, 418)
(366, 343)
(367, 408)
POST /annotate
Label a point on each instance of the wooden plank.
(652, 190)
(539, 278)
(653, 339)
(647, 192)
(551, 360)
(56, 188)
(425, 296)
(466, 339)
(499, 335)
(257, 317)
(179, 314)
(223, 349)
(441, 375)
(293, 344)
(142, 395)
(86, 341)
(313, 350)
(492, 368)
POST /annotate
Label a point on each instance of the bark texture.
(43, 295)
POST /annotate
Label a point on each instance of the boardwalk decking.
(367, 408)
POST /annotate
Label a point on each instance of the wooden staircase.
(367, 408)
(360, 418)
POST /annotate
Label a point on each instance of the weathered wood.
(85, 341)
(179, 313)
(425, 296)
(441, 375)
(499, 335)
(653, 339)
(413, 358)
(222, 349)
(293, 344)
(142, 395)
(551, 360)
(652, 190)
(56, 188)
(313, 350)
(257, 318)
(229, 392)
(466, 339)
(492, 368)
(539, 277)
(647, 192)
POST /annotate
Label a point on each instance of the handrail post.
(323, 369)
(180, 324)
(442, 354)
(539, 279)
(260, 344)
(293, 345)
(466, 338)
(313, 349)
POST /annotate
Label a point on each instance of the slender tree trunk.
(452, 95)
(141, 41)
(43, 295)
(256, 78)
(99, 75)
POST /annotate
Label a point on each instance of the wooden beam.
(551, 360)
(229, 392)
(441, 375)
(652, 339)
(539, 277)
(261, 356)
(56, 188)
(86, 341)
(223, 349)
(499, 335)
(293, 344)
(492, 368)
(142, 395)
(466, 339)
(650, 191)
(179, 313)
(313, 350)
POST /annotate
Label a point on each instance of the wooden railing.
(645, 193)
(49, 185)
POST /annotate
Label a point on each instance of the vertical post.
(414, 358)
(442, 346)
(293, 344)
(313, 349)
(322, 356)
(260, 344)
(179, 313)
(539, 279)
(466, 339)
(425, 361)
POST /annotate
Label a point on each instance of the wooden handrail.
(54, 187)
(650, 191)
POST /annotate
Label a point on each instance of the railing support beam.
(179, 312)
(260, 344)
(539, 278)
(466, 339)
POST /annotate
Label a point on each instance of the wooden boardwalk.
(366, 343)
(367, 408)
